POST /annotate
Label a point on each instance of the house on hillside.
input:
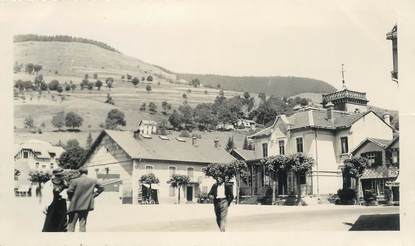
(35, 155)
(246, 124)
(125, 156)
(147, 127)
(327, 134)
(383, 155)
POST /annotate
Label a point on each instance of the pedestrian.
(81, 193)
(54, 202)
(222, 195)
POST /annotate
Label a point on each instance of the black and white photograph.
(205, 116)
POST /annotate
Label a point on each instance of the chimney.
(193, 140)
(216, 142)
(137, 134)
(387, 118)
(330, 108)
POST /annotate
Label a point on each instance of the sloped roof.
(170, 150)
(392, 142)
(41, 149)
(316, 118)
(382, 143)
(246, 155)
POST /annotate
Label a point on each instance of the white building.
(147, 127)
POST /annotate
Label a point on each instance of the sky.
(259, 38)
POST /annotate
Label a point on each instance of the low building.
(127, 156)
(35, 155)
(246, 124)
(383, 155)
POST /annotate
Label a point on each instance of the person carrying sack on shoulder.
(81, 193)
(222, 195)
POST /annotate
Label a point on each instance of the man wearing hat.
(81, 193)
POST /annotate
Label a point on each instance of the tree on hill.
(152, 107)
(90, 86)
(29, 122)
(143, 106)
(186, 115)
(262, 96)
(221, 93)
(148, 88)
(109, 99)
(29, 68)
(204, 116)
(59, 89)
(129, 77)
(73, 86)
(98, 84)
(178, 181)
(84, 83)
(109, 81)
(58, 120)
(176, 119)
(135, 81)
(73, 156)
(53, 85)
(37, 68)
(73, 120)
(67, 87)
(95, 76)
(149, 78)
(86, 77)
(206, 92)
(115, 118)
(195, 82)
(166, 107)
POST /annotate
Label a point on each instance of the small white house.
(147, 127)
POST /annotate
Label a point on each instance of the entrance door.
(189, 193)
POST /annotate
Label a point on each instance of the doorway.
(189, 193)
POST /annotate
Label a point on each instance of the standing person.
(222, 195)
(54, 202)
(81, 193)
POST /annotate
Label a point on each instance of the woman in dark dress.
(55, 195)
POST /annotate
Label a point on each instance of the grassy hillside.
(275, 85)
(77, 59)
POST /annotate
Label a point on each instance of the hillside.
(275, 85)
(76, 59)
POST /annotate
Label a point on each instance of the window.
(190, 172)
(51, 166)
(172, 191)
(25, 154)
(265, 150)
(344, 145)
(299, 145)
(172, 170)
(375, 158)
(107, 170)
(281, 147)
(149, 169)
(37, 164)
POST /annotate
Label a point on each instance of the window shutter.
(378, 158)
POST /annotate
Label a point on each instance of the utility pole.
(393, 36)
(343, 82)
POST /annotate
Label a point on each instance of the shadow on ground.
(377, 222)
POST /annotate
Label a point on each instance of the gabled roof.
(382, 143)
(41, 149)
(317, 119)
(244, 154)
(156, 148)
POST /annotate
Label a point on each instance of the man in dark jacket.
(222, 195)
(81, 194)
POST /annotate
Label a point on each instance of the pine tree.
(230, 145)
(89, 141)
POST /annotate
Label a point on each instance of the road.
(299, 220)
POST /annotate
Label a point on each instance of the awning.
(393, 183)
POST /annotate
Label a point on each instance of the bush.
(369, 196)
(347, 196)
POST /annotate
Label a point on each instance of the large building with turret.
(328, 134)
